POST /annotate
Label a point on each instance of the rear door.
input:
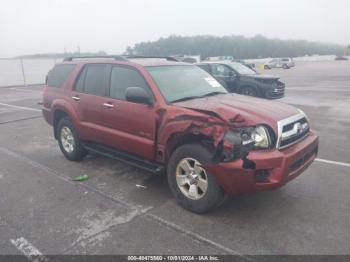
(129, 126)
(89, 97)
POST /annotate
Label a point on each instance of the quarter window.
(122, 78)
(59, 74)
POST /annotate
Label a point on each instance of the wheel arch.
(60, 108)
(253, 86)
(177, 140)
(57, 116)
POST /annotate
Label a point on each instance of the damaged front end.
(230, 139)
(238, 142)
(245, 158)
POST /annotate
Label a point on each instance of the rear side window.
(79, 84)
(122, 78)
(59, 74)
(95, 80)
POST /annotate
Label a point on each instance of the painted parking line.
(332, 162)
(28, 90)
(21, 107)
(27, 249)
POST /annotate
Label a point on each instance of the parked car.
(247, 64)
(284, 63)
(340, 58)
(229, 59)
(238, 78)
(167, 116)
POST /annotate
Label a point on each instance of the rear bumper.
(280, 165)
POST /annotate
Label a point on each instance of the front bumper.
(275, 91)
(281, 166)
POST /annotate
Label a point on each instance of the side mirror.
(138, 95)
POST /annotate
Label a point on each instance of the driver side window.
(220, 70)
(124, 77)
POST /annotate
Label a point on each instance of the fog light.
(261, 175)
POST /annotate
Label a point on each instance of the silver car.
(285, 63)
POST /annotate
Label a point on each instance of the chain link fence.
(23, 72)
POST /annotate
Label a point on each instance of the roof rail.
(169, 58)
(115, 57)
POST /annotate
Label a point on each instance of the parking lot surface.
(42, 209)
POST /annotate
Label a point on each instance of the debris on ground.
(140, 186)
(81, 178)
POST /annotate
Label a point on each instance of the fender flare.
(62, 105)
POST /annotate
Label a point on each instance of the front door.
(225, 74)
(129, 126)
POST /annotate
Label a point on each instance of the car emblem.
(298, 128)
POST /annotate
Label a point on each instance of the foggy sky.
(43, 26)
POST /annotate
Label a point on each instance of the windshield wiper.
(194, 97)
(185, 98)
(214, 93)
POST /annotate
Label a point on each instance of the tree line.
(239, 47)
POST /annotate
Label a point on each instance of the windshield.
(241, 69)
(184, 82)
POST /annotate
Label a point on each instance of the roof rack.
(169, 58)
(115, 57)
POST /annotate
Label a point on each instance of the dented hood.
(251, 110)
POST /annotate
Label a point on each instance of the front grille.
(291, 130)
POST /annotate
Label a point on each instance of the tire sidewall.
(79, 151)
(255, 93)
(214, 193)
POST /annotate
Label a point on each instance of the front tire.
(249, 91)
(285, 66)
(267, 67)
(69, 142)
(193, 187)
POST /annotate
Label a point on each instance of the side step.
(125, 157)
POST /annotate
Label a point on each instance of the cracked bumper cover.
(282, 165)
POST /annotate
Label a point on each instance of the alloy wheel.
(191, 178)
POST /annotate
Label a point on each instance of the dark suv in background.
(238, 78)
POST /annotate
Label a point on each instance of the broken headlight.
(261, 137)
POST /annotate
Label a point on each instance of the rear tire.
(267, 67)
(193, 187)
(69, 142)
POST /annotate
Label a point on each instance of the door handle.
(108, 105)
(76, 98)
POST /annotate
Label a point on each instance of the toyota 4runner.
(167, 116)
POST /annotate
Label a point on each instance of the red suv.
(167, 116)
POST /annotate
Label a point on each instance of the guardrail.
(23, 72)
